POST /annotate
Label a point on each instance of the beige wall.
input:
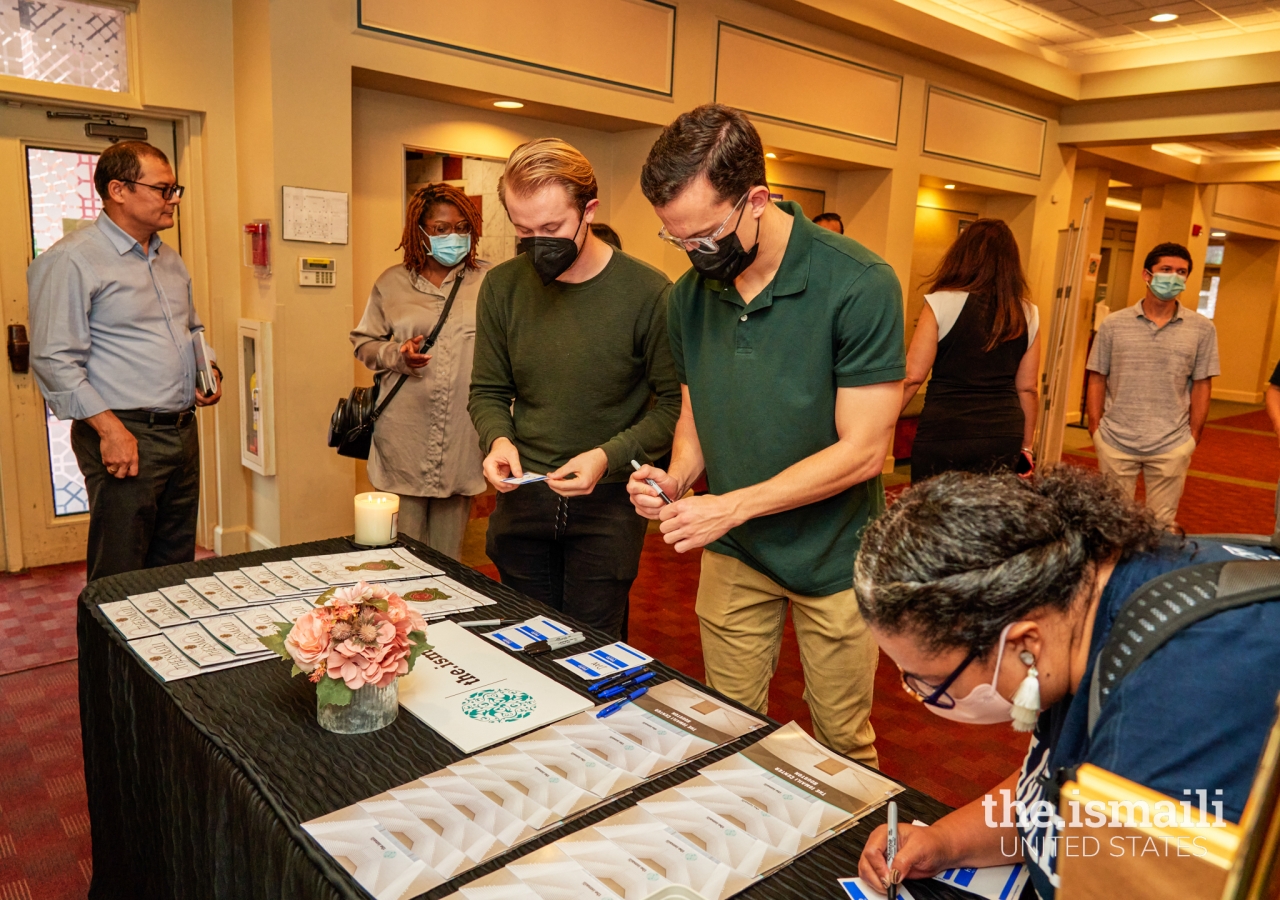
(1244, 317)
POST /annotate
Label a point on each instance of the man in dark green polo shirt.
(787, 340)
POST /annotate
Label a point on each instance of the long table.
(197, 787)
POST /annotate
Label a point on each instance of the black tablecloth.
(197, 787)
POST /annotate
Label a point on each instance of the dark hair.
(984, 261)
(412, 240)
(606, 234)
(829, 217)
(123, 162)
(716, 140)
(1168, 248)
(960, 556)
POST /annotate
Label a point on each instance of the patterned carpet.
(44, 842)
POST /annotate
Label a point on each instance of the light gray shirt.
(424, 445)
(1149, 374)
(111, 324)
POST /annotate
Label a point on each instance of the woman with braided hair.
(995, 595)
(424, 446)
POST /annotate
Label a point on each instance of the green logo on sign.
(499, 705)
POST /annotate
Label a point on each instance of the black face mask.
(730, 260)
(551, 256)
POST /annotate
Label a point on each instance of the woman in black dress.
(980, 336)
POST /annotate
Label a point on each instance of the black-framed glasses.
(705, 244)
(936, 695)
(440, 229)
(168, 191)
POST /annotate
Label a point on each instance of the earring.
(1026, 702)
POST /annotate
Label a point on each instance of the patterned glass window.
(64, 42)
(62, 199)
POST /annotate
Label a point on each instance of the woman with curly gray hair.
(995, 596)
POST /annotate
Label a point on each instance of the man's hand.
(644, 498)
(921, 854)
(410, 355)
(697, 521)
(586, 469)
(502, 462)
(210, 399)
(119, 447)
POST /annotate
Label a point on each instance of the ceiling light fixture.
(508, 104)
(1117, 203)
(1164, 17)
(1217, 234)
(949, 187)
(771, 155)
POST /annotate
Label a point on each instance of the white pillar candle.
(377, 518)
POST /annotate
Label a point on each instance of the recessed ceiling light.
(1217, 234)
(949, 187)
(771, 155)
(1130, 205)
(508, 104)
(1164, 17)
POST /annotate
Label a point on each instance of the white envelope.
(216, 592)
(244, 586)
(159, 610)
(164, 658)
(264, 621)
(203, 649)
(289, 610)
(187, 599)
(128, 620)
(291, 573)
(378, 862)
(235, 635)
(271, 583)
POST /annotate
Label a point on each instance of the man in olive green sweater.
(571, 352)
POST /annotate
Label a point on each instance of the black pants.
(578, 555)
(150, 519)
(981, 455)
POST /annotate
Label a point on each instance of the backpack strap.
(1169, 603)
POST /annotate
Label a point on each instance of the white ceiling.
(1076, 28)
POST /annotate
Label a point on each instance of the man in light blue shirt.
(112, 348)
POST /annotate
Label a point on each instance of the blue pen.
(614, 707)
(616, 679)
(626, 685)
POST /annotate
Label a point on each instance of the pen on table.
(481, 623)
(891, 849)
(614, 707)
(653, 484)
(617, 678)
(626, 685)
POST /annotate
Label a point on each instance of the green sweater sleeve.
(651, 436)
(492, 384)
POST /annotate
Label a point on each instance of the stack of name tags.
(214, 622)
(736, 822)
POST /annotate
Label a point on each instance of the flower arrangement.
(356, 636)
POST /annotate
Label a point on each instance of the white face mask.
(983, 705)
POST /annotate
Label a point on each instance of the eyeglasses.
(936, 695)
(440, 229)
(168, 191)
(705, 244)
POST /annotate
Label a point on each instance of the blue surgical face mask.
(1167, 285)
(450, 249)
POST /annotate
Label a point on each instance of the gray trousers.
(149, 519)
(438, 522)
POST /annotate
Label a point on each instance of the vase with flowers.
(353, 646)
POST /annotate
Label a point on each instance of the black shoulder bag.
(351, 425)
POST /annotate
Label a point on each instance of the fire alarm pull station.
(257, 247)
(315, 271)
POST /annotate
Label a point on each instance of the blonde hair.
(548, 161)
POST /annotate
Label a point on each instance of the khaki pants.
(438, 522)
(1165, 475)
(741, 613)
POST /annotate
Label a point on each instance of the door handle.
(19, 349)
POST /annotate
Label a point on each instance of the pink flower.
(379, 663)
(404, 616)
(352, 595)
(308, 641)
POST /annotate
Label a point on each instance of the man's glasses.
(704, 244)
(167, 191)
(936, 695)
(440, 229)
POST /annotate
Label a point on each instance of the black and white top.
(973, 392)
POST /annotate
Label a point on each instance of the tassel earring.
(1026, 702)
